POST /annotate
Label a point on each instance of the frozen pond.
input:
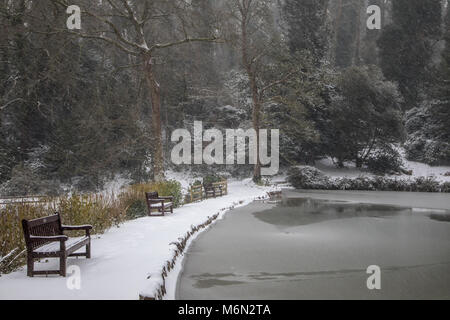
(317, 245)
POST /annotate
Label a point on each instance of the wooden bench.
(44, 238)
(160, 204)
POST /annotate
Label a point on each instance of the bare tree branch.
(11, 102)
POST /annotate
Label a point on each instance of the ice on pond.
(306, 248)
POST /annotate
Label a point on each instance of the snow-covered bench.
(160, 204)
(44, 238)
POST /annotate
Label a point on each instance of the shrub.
(307, 178)
(380, 183)
(311, 178)
(137, 209)
(211, 179)
(11, 236)
(132, 199)
(164, 188)
(362, 183)
(428, 184)
(398, 185)
(445, 187)
(97, 210)
(385, 161)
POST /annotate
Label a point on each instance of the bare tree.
(134, 27)
(253, 32)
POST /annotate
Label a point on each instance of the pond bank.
(439, 201)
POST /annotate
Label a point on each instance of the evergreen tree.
(429, 124)
(346, 36)
(364, 116)
(306, 24)
(406, 46)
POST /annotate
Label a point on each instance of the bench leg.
(62, 265)
(30, 266)
(171, 209)
(88, 250)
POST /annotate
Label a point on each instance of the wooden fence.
(196, 192)
(223, 184)
(24, 199)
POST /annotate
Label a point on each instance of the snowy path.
(124, 257)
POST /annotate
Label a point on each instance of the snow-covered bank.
(418, 201)
(418, 170)
(126, 260)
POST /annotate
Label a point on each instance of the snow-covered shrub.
(342, 183)
(428, 137)
(384, 161)
(359, 183)
(312, 178)
(307, 177)
(362, 183)
(426, 184)
(397, 185)
(432, 152)
(380, 183)
(445, 187)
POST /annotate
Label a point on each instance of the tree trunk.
(256, 115)
(337, 24)
(155, 96)
(359, 162)
(255, 94)
(359, 18)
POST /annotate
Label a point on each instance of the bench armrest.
(155, 200)
(86, 228)
(49, 238)
(166, 198)
(74, 228)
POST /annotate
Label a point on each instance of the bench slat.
(55, 246)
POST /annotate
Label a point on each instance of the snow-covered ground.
(115, 185)
(424, 170)
(418, 170)
(126, 261)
